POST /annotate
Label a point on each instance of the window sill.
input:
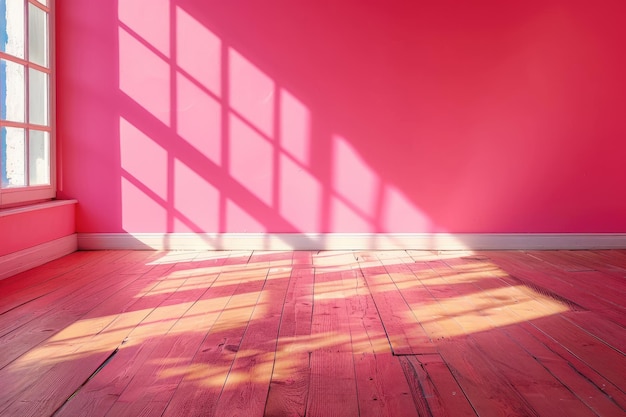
(34, 207)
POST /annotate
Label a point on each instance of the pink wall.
(346, 116)
(30, 228)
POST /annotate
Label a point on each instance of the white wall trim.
(349, 241)
(20, 261)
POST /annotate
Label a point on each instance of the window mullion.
(27, 93)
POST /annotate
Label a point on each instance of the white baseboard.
(20, 261)
(349, 241)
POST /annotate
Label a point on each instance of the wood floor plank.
(245, 390)
(161, 361)
(333, 390)
(530, 379)
(203, 380)
(316, 333)
(559, 323)
(616, 393)
(560, 260)
(421, 388)
(501, 299)
(33, 323)
(382, 389)
(548, 381)
(598, 261)
(606, 331)
(34, 283)
(489, 392)
(431, 379)
(584, 388)
(584, 277)
(616, 257)
(487, 336)
(447, 393)
(522, 267)
(406, 334)
(97, 396)
(418, 284)
(597, 355)
(66, 287)
(472, 295)
(49, 373)
(289, 385)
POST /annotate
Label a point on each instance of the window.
(26, 125)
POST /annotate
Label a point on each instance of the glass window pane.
(12, 89)
(37, 35)
(12, 27)
(12, 157)
(39, 157)
(37, 97)
(44, 2)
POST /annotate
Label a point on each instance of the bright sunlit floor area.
(302, 333)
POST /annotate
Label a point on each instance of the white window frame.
(33, 193)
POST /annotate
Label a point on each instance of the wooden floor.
(403, 333)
